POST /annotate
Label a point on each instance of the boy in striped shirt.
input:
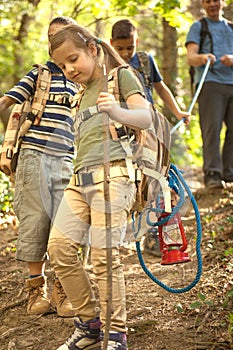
(44, 168)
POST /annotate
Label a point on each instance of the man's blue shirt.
(222, 37)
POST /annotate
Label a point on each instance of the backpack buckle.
(84, 179)
(121, 132)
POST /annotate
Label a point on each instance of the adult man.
(216, 97)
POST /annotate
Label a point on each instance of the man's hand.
(227, 60)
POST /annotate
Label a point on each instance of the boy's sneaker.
(213, 180)
(116, 341)
(86, 336)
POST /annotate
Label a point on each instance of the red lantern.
(173, 242)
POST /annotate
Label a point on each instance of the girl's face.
(78, 65)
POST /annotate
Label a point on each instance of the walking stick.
(194, 97)
(108, 219)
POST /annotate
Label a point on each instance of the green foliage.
(7, 216)
(186, 144)
(6, 194)
(228, 298)
(230, 326)
(201, 302)
(147, 15)
(228, 252)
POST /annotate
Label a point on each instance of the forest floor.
(201, 318)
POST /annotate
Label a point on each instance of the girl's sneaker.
(117, 341)
(86, 336)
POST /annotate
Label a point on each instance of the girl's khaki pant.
(81, 215)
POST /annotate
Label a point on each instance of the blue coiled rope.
(175, 181)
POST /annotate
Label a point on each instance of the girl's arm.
(137, 116)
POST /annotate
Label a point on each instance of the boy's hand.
(184, 115)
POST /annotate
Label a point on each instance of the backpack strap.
(145, 67)
(42, 92)
(119, 131)
(205, 33)
(230, 24)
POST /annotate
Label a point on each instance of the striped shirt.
(54, 134)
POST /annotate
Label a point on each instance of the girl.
(82, 57)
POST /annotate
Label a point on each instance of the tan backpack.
(21, 118)
(147, 152)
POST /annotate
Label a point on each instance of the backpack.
(147, 151)
(203, 34)
(21, 118)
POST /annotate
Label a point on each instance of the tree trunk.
(195, 9)
(169, 66)
(26, 20)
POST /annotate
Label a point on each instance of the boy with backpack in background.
(124, 40)
(212, 38)
(43, 171)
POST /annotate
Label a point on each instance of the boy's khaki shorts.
(39, 188)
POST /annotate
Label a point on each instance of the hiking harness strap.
(85, 178)
(164, 185)
(87, 114)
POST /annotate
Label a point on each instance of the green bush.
(6, 200)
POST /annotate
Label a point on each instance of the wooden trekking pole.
(108, 219)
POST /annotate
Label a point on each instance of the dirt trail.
(158, 320)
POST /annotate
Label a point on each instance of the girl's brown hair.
(81, 38)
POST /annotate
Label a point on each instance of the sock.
(33, 276)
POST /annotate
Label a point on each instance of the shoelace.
(77, 334)
(61, 293)
(113, 345)
(35, 292)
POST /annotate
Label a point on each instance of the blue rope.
(176, 179)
